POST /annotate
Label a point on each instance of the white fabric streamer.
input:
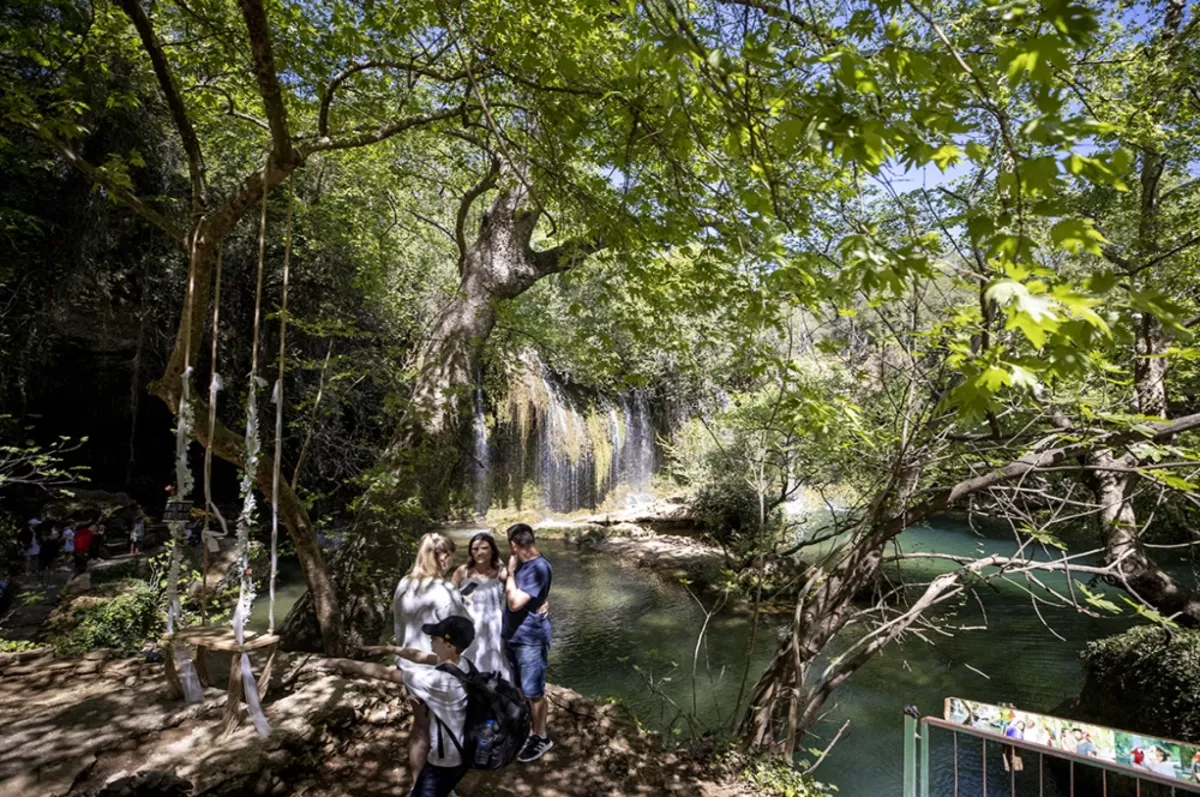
(251, 688)
(193, 692)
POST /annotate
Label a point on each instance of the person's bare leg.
(538, 708)
(418, 741)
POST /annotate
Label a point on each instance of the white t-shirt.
(421, 601)
(446, 699)
(68, 536)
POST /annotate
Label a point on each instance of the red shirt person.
(83, 540)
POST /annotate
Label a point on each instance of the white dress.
(486, 607)
(421, 601)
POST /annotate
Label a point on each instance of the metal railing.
(918, 777)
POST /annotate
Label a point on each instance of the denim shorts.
(529, 662)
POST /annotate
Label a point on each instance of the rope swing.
(253, 447)
(214, 385)
(189, 681)
(182, 674)
(278, 399)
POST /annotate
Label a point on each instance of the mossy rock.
(1146, 680)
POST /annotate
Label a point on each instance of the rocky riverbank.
(686, 556)
(98, 725)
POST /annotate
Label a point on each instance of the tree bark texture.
(1137, 573)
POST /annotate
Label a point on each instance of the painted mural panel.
(1163, 757)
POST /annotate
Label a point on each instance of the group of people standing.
(492, 613)
(44, 544)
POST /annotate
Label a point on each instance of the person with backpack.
(445, 698)
(527, 631)
(478, 720)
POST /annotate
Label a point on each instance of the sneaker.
(535, 747)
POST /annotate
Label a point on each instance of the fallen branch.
(364, 669)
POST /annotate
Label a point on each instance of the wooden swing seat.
(203, 638)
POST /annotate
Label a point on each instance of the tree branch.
(775, 12)
(101, 178)
(183, 123)
(487, 183)
(945, 497)
(565, 256)
(259, 32)
(231, 108)
(410, 66)
(380, 133)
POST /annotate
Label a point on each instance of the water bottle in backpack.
(483, 742)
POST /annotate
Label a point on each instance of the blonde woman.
(424, 596)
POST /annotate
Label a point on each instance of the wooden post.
(265, 680)
(174, 687)
(202, 666)
(233, 711)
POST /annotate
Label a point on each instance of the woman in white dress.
(424, 596)
(481, 582)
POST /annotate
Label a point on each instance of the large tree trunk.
(421, 461)
(785, 703)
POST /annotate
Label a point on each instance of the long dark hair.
(491, 541)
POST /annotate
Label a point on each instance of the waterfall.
(574, 446)
(483, 460)
(639, 448)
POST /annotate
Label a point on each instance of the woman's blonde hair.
(431, 546)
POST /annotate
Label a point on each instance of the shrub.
(728, 509)
(122, 621)
(16, 645)
(1147, 680)
(775, 778)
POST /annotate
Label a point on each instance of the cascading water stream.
(575, 447)
(482, 453)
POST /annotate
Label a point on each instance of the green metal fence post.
(924, 759)
(910, 751)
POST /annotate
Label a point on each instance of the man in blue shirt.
(527, 632)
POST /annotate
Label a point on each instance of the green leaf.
(1077, 235)
(1098, 600)
(946, 156)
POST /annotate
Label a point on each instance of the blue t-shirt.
(527, 626)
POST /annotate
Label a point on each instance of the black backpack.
(498, 718)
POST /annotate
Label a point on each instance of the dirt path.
(105, 726)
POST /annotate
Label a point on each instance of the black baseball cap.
(457, 630)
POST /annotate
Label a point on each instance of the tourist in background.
(424, 596)
(49, 547)
(68, 543)
(27, 538)
(99, 540)
(481, 583)
(136, 532)
(83, 546)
